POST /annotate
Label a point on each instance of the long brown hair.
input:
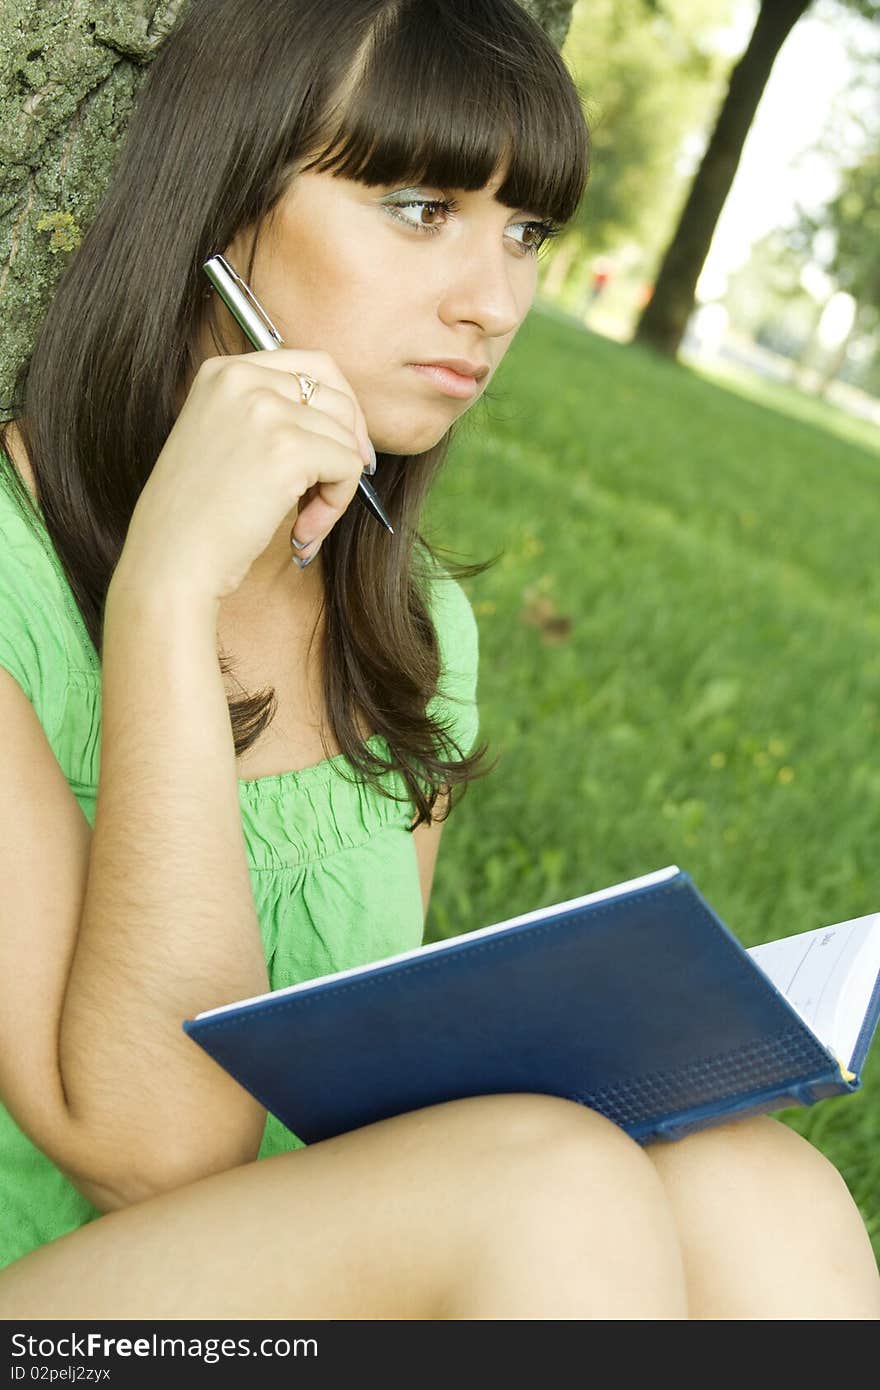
(244, 95)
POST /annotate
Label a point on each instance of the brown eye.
(537, 233)
(400, 210)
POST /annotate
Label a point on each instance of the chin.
(414, 440)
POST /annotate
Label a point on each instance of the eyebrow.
(460, 192)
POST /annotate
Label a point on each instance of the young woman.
(178, 830)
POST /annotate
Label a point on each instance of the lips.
(459, 365)
(447, 380)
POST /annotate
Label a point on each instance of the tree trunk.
(70, 71)
(554, 17)
(664, 319)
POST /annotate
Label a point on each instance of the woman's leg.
(767, 1226)
(517, 1206)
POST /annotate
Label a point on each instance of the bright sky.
(779, 165)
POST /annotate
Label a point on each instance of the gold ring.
(308, 386)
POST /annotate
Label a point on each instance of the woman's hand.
(242, 453)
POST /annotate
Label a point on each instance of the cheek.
(347, 305)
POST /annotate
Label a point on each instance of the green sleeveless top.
(331, 861)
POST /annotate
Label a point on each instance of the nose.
(486, 286)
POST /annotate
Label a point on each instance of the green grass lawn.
(680, 657)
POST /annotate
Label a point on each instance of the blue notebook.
(636, 1001)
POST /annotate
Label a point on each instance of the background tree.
(849, 227)
(766, 298)
(854, 217)
(780, 296)
(664, 319)
(69, 74)
(554, 16)
(647, 77)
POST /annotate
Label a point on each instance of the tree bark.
(664, 319)
(554, 17)
(70, 71)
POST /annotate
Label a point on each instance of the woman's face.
(351, 270)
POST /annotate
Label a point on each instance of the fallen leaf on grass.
(542, 613)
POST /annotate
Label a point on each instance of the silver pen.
(255, 323)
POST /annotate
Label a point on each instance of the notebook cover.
(643, 1007)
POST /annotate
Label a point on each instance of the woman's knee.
(556, 1151)
(767, 1225)
(568, 1190)
(522, 1121)
(760, 1153)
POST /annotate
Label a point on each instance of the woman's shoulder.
(21, 553)
(34, 638)
(19, 504)
(19, 508)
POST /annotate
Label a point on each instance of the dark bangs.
(447, 93)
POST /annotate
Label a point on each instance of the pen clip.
(246, 290)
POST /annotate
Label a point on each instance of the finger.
(318, 517)
(321, 505)
(320, 508)
(327, 402)
(325, 370)
(318, 422)
(314, 521)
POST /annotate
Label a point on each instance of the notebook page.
(828, 976)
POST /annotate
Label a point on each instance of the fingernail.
(298, 559)
(298, 545)
(371, 462)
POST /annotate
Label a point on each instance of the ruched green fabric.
(331, 861)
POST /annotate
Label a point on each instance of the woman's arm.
(426, 839)
(169, 925)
